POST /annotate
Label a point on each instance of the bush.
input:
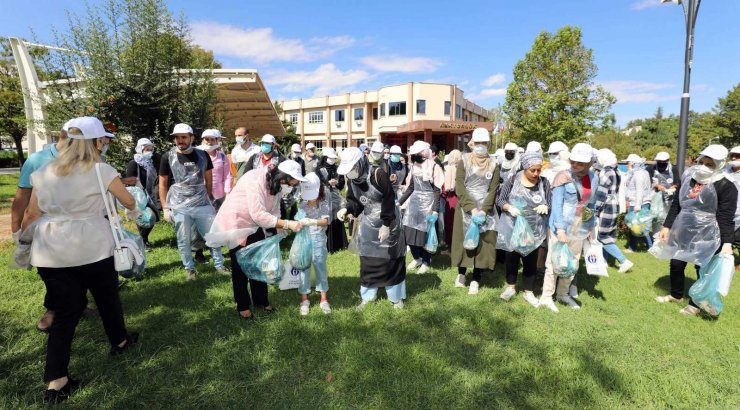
(8, 159)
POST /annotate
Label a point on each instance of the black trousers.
(678, 276)
(67, 286)
(239, 280)
(529, 268)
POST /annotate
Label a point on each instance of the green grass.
(445, 350)
(8, 185)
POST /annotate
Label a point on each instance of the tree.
(136, 70)
(728, 117)
(553, 95)
(12, 110)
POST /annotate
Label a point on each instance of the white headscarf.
(146, 163)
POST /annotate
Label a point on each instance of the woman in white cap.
(376, 156)
(476, 183)
(423, 188)
(379, 239)
(250, 213)
(397, 168)
(733, 174)
(295, 155)
(510, 162)
(639, 190)
(73, 245)
(558, 160)
(327, 172)
(571, 221)
(316, 204)
(607, 207)
(448, 193)
(142, 168)
(527, 194)
(221, 172)
(665, 180)
(700, 222)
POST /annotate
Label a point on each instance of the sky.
(317, 48)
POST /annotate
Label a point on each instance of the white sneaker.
(508, 293)
(304, 307)
(568, 301)
(325, 307)
(423, 269)
(573, 291)
(460, 281)
(473, 289)
(548, 303)
(398, 305)
(362, 305)
(625, 266)
(689, 311)
(414, 264)
(667, 298)
(531, 298)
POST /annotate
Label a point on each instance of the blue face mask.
(266, 148)
(395, 158)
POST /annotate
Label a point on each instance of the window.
(293, 118)
(397, 108)
(447, 107)
(339, 143)
(316, 117)
(339, 115)
(319, 144)
(375, 113)
(359, 114)
(466, 117)
(421, 106)
(382, 109)
(458, 111)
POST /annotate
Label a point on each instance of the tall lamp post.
(690, 10)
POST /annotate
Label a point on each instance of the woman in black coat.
(142, 168)
(336, 236)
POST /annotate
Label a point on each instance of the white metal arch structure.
(32, 95)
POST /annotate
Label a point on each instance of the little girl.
(315, 203)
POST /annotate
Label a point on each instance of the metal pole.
(691, 12)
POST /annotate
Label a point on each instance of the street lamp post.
(690, 9)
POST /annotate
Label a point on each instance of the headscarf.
(530, 159)
(717, 172)
(363, 165)
(451, 169)
(146, 163)
(607, 158)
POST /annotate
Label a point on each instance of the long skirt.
(336, 236)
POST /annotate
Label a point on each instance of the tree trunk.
(18, 139)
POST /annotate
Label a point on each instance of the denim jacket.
(565, 201)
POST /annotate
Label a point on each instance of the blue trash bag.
(136, 271)
(706, 292)
(301, 252)
(141, 198)
(262, 261)
(432, 240)
(147, 218)
(522, 237)
(639, 223)
(472, 234)
(564, 264)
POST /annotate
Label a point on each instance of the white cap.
(557, 147)
(397, 150)
(329, 152)
(65, 127)
(534, 146)
(91, 128)
(510, 146)
(268, 138)
(499, 153)
(377, 147)
(481, 135)
(310, 146)
(211, 132)
(350, 156)
(606, 158)
(716, 152)
(662, 156)
(363, 147)
(310, 187)
(418, 147)
(735, 150)
(635, 158)
(292, 168)
(581, 152)
(182, 129)
(109, 134)
(519, 149)
(296, 148)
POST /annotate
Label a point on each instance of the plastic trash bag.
(657, 207)
(262, 261)
(137, 270)
(707, 291)
(593, 254)
(141, 198)
(660, 248)
(639, 223)
(522, 237)
(472, 234)
(301, 252)
(564, 264)
(291, 278)
(432, 241)
(147, 218)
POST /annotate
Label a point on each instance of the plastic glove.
(562, 237)
(726, 249)
(168, 216)
(132, 214)
(433, 217)
(294, 226)
(308, 222)
(22, 255)
(664, 233)
(514, 211)
(341, 214)
(333, 182)
(17, 236)
(670, 191)
(541, 209)
(384, 233)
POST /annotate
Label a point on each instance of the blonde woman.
(73, 246)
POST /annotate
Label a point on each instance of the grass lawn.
(445, 350)
(8, 185)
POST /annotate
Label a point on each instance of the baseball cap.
(581, 152)
(91, 128)
(292, 168)
(377, 147)
(662, 156)
(635, 158)
(481, 135)
(715, 152)
(329, 152)
(350, 156)
(557, 147)
(310, 146)
(534, 146)
(214, 133)
(510, 146)
(268, 138)
(182, 129)
(296, 148)
(310, 187)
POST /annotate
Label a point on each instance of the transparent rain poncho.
(714, 282)
(262, 261)
(189, 188)
(564, 264)
(301, 252)
(526, 232)
(419, 204)
(477, 184)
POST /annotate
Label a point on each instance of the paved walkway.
(8, 171)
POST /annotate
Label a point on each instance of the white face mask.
(285, 189)
(386, 156)
(735, 163)
(209, 148)
(240, 140)
(480, 150)
(376, 156)
(331, 161)
(353, 174)
(104, 149)
(703, 174)
(147, 154)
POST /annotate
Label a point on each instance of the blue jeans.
(201, 217)
(632, 239)
(613, 250)
(396, 293)
(319, 265)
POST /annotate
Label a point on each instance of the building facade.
(395, 115)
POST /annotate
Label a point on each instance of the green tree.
(136, 70)
(553, 95)
(728, 117)
(12, 110)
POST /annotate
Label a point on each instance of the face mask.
(510, 155)
(147, 154)
(417, 158)
(209, 148)
(266, 148)
(104, 149)
(480, 150)
(376, 156)
(396, 158)
(285, 189)
(354, 174)
(552, 157)
(386, 156)
(331, 161)
(240, 140)
(703, 173)
(735, 163)
(662, 166)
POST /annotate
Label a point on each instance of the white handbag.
(126, 252)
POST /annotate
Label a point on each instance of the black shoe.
(200, 257)
(57, 396)
(131, 339)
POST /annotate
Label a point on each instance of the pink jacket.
(221, 175)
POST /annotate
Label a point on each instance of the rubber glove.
(341, 214)
(168, 216)
(562, 237)
(726, 249)
(308, 222)
(514, 211)
(132, 214)
(294, 226)
(541, 209)
(17, 236)
(384, 233)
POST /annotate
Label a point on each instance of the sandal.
(47, 317)
(250, 317)
(269, 309)
(131, 339)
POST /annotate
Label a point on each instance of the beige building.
(397, 114)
